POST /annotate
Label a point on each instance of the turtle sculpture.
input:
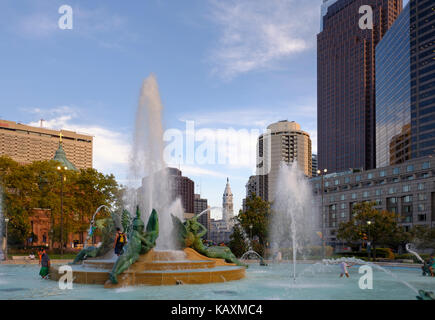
(140, 241)
(190, 235)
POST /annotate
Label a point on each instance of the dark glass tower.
(393, 94)
(422, 19)
(346, 82)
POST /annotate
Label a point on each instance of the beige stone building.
(284, 141)
(26, 144)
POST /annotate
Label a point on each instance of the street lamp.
(368, 239)
(6, 238)
(250, 227)
(61, 170)
(321, 174)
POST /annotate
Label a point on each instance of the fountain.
(2, 256)
(293, 218)
(408, 248)
(159, 254)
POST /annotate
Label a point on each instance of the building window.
(353, 195)
(396, 170)
(382, 173)
(365, 194)
(391, 190)
(343, 215)
(407, 199)
(337, 182)
(410, 168)
(370, 176)
(422, 196)
(421, 186)
(378, 192)
(358, 178)
(421, 217)
(343, 206)
(343, 197)
(346, 180)
(331, 199)
(426, 165)
(421, 208)
(406, 188)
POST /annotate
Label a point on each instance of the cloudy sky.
(229, 66)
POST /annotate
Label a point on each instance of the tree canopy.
(38, 185)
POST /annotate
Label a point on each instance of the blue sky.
(220, 63)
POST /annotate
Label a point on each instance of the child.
(344, 271)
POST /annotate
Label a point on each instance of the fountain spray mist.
(147, 165)
(294, 217)
(2, 219)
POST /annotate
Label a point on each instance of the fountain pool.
(261, 283)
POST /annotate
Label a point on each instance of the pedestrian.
(120, 241)
(45, 265)
(344, 271)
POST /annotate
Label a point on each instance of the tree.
(383, 228)
(257, 214)
(237, 243)
(423, 236)
(38, 185)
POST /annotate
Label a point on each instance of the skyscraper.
(405, 86)
(422, 20)
(346, 81)
(284, 142)
(393, 94)
(199, 206)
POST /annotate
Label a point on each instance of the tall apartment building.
(26, 144)
(346, 82)
(422, 26)
(284, 142)
(180, 187)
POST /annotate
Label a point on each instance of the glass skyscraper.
(393, 94)
(422, 26)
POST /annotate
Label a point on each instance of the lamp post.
(6, 238)
(368, 239)
(61, 170)
(250, 227)
(322, 173)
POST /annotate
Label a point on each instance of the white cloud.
(110, 148)
(256, 34)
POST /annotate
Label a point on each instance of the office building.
(346, 82)
(393, 94)
(407, 189)
(26, 144)
(422, 26)
(200, 205)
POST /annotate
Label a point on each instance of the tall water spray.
(294, 218)
(148, 166)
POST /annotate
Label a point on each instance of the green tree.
(382, 230)
(257, 214)
(423, 236)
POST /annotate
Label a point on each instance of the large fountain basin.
(157, 268)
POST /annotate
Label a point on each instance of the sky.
(227, 68)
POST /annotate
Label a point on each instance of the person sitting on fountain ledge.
(120, 241)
